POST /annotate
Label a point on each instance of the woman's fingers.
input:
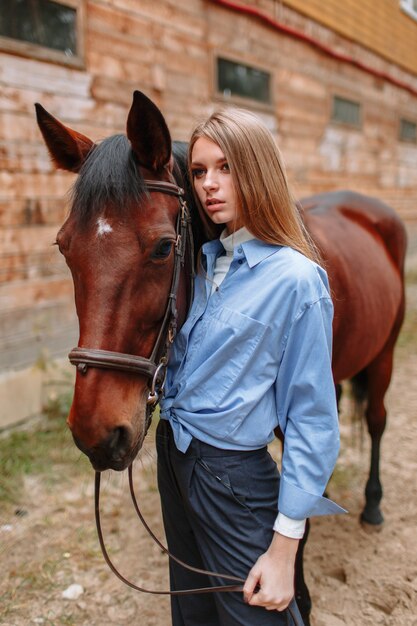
(250, 585)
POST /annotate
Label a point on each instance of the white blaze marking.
(103, 227)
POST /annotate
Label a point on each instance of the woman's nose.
(210, 182)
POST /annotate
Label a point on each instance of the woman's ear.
(148, 133)
(68, 149)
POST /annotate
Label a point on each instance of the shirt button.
(239, 250)
(240, 261)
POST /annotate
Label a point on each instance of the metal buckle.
(157, 389)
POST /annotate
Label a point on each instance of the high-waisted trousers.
(218, 507)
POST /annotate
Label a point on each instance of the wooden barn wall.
(168, 50)
(380, 25)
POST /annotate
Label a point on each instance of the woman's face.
(213, 183)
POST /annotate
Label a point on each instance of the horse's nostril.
(118, 439)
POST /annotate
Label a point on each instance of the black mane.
(109, 177)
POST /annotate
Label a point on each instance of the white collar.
(230, 242)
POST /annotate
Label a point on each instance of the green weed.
(36, 449)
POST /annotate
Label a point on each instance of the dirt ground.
(356, 578)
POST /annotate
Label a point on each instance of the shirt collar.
(256, 251)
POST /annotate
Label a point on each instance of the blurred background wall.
(335, 82)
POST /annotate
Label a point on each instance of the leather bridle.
(154, 369)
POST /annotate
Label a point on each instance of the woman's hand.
(273, 573)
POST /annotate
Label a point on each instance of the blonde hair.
(266, 206)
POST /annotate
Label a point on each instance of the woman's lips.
(213, 204)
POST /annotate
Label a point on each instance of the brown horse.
(118, 243)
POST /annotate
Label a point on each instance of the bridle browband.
(154, 369)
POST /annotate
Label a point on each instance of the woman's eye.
(198, 173)
(162, 250)
(225, 167)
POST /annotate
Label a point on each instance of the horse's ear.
(68, 149)
(148, 133)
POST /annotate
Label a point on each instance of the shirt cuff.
(290, 527)
(298, 503)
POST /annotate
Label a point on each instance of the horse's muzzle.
(115, 452)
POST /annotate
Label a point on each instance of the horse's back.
(363, 244)
(370, 213)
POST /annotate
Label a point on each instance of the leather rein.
(154, 368)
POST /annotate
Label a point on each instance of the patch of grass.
(34, 450)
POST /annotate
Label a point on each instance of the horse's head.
(118, 242)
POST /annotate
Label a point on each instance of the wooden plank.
(32, 74)
(31, 211)
(111, 90)
(24, 185)
(39, 264)
(106, 18)
(31, 292)
(180, 16)
(382, 26)
(28, 239)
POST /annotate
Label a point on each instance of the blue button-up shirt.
(254, 354)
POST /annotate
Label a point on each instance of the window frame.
(407, 7)
(235, 98)
(351, 125)
(403, 139)
(43, 53)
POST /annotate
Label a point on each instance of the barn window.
(244, 81)
(408, 131)
(410, 7)
(346, 111)
(51, 30)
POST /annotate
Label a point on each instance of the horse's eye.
(163, 249)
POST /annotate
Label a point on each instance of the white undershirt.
(284, 525)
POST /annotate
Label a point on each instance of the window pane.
(346, 111)
(235, 79)
(408, 131)
(42, 22)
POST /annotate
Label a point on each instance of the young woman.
(254, 354)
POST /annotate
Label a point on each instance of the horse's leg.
(302, 594)
(379, 374)
(376, 420)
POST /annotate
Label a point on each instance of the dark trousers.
(218, 508)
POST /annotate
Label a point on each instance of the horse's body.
(114, 242)
(363, 244)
